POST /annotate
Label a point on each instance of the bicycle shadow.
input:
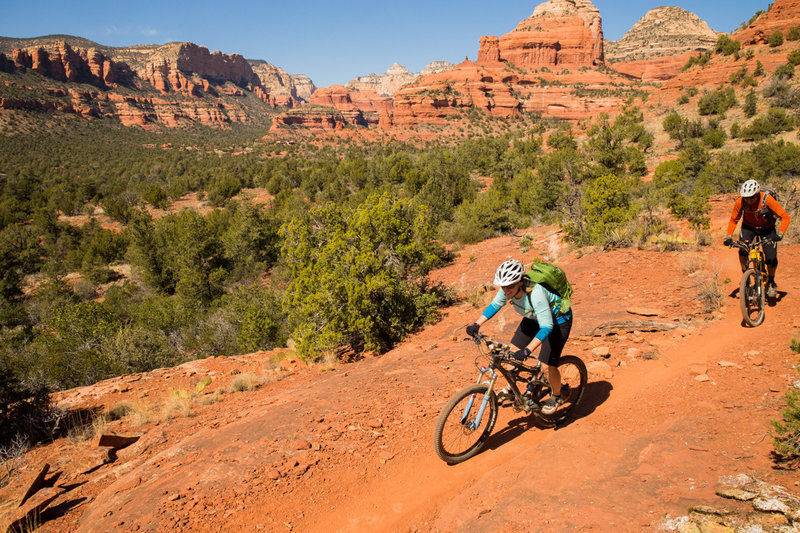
(594, 395)
(771, 302)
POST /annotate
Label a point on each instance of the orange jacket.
(754, 218)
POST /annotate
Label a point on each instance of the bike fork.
(475, 424)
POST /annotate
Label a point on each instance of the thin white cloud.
(151, 32)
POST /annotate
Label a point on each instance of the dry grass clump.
(690, 263)
(709, 292)
(179, 404)
(244, 382)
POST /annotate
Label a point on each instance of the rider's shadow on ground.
(594, 395)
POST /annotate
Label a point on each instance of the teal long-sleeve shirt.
(540, 305)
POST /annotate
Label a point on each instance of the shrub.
(793, 34)
(717, 101)
(359, 276)
(702, 59)
(776, 39)
(781, 93)
(774, 121)
(607, 204)
(794, 57)
(727, 46)
(786, 431)
(750, 104)
(785, 71)
(24, 407)
(715, 138)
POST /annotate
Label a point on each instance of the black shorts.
(552, 345)
(748, 233)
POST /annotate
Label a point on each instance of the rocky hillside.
(783, 15)
(396, 76)
(173, 85)
(664, 31)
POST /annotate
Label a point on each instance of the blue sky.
(331, 42)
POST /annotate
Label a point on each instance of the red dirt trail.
(348, 447)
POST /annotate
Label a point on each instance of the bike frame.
(493, 369)
(755, 256)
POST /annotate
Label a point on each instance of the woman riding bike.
(758, 210)
(541, 325)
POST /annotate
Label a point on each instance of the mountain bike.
(469, 417)
(752, 287)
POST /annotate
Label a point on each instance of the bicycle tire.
(751, 298)
(453, 440)
(573, 383)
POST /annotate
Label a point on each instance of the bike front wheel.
(465, 423)
(751, 298)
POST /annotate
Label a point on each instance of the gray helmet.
(749, 188)
(508, 273)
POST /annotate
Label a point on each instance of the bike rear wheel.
(573, 382)
(459, 434)
(751, 297)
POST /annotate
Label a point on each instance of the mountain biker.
(757, 220)
(540, 325)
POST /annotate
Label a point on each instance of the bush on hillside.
(716, 102)
(750, 106)
(786, 431)
(775, 39)
(727, 46)
(773, 122)
(359, 276)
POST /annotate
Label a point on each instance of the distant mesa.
(396, 76)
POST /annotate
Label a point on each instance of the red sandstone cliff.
(201, 86)
(535, 68)
(782, 15)
(334, 107)
(61, 62)
(559, 33)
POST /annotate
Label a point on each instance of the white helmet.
(749, 188)
(508, 273)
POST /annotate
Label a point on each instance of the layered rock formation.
(561, 36)
(335, 107)
(199, 86)
(559, 33)
(783, 15)
(280, 85)
(660, 43)
(61, 62)
(663, 31)
(396, 76)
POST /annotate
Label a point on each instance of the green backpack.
(552, 278)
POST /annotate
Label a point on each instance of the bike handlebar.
(749, 245)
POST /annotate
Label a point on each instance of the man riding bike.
(541, 325)
(758, 210)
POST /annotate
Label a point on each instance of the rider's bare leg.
(554, 377)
